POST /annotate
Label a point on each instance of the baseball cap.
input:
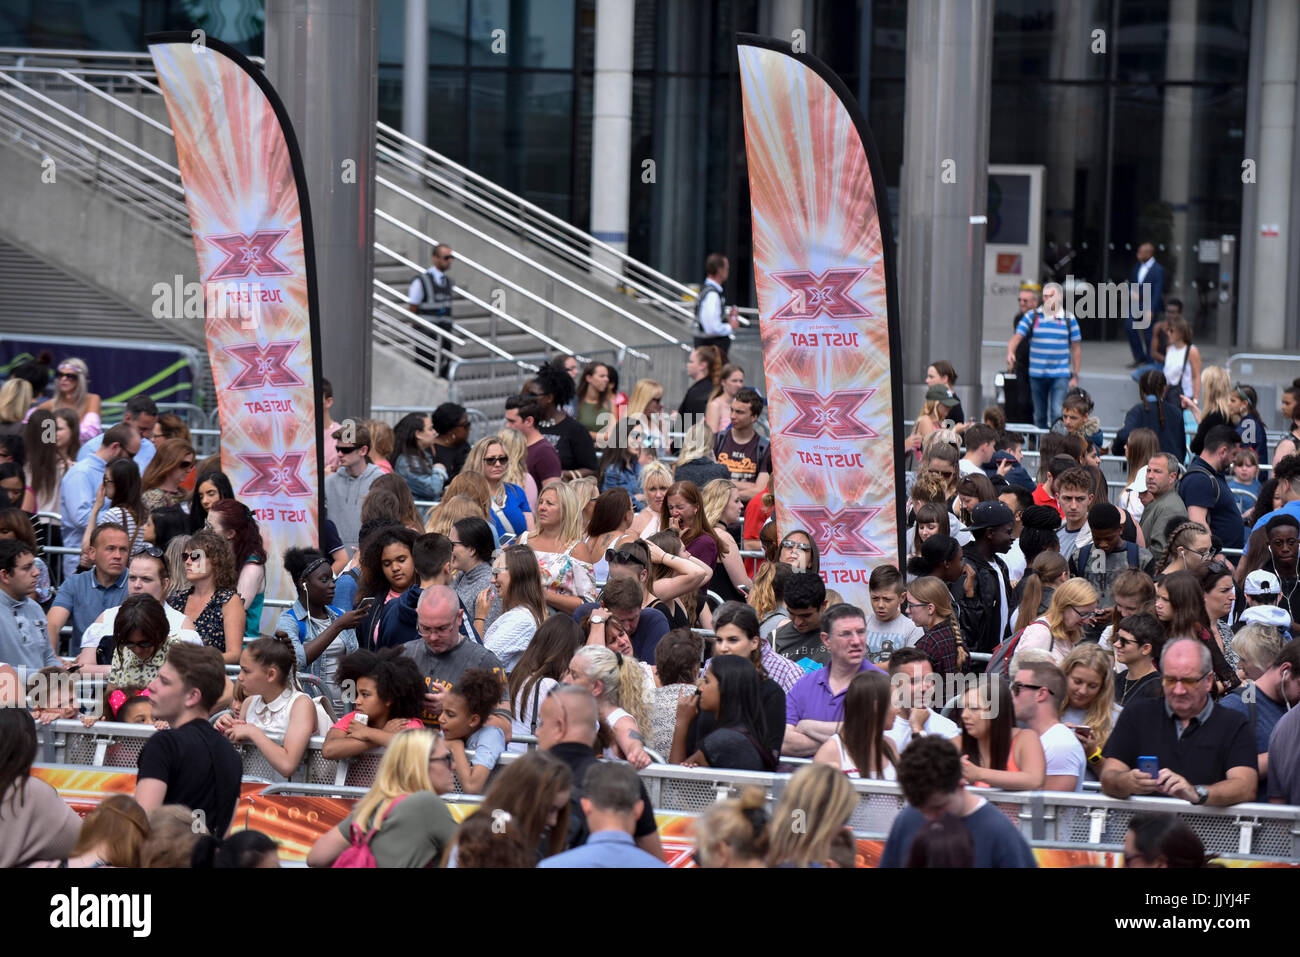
(1261, 582)
(989, 515)
(940, 393)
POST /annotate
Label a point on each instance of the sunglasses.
(1017, 687)
(798, 546)
(186, 465)
(138, 644)
(194, 556)
(622, 558)
(495, 459)
(153, 551)
(67, 375)
(446, 758)
(346, 449)
(1123, 642)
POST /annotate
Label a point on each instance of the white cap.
(1261, 582)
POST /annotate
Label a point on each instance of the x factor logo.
(834, 415)
(840, 531)
(264, 366)
(247, 255)
(274, 474)
(817, 295)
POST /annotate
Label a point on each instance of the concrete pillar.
(611, 125)
(944, 185)
(415, 70)
(1178, 152)
(1270, 197)
(322, 58)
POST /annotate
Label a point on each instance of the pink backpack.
(359, 853)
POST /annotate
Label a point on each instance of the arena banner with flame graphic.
(824, 271)
(246, 192)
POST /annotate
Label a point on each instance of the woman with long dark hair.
(736, 632)
(859, 747)
(166, 471)
(517, 579)
(413, 457)
(118, 500)
(235, 523)
(995, 753)
(1180, 606)
(35, 823)
(48, 462)
(387, 569)
(730, 691)
(211, 488)
(595, 398)
(538, 670)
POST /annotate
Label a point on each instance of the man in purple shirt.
(814, 707)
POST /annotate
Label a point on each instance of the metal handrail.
(680, 289)
(515, 254)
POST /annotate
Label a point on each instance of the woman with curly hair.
(387, 569)
(210, 599)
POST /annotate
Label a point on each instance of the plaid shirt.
(780, 668)
(940, 644)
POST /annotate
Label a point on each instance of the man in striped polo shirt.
(1055, 354)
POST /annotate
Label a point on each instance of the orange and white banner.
(824, 271)
(247, 199)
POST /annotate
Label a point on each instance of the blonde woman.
(656, 479)
(617, 685)
(718, 413)
(647, 403)
(71, 392)
(1090, 708)
(1214, 407)
(381, 444)
(933, 414)
(1073, 606)
(696, 463)
(517, 468)
(568, 581)
(510, 512)
(721, 509)
(450, 511)
(401, 819)
(15, 401)
(820, 798)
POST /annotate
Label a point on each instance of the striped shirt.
(1049, 349)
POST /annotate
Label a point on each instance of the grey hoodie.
(343, 497)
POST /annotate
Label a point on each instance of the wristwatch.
(1202, 794)
(598, 619)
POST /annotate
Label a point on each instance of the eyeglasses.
(1017, 687)
(495, 459)
(905, 606)
(446, 758)
(1189, 683)
(346, 449)
(138, 644)
(798, 546)
(187, 465)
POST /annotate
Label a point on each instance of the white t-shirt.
(103, 628)
(1016, 563)
(901, 732)
(1064, 753)
(966, 467)
(901, 632)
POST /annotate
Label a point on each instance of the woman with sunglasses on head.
(167, 470)
(321, 633)
(645, 409)
(71, 392)
(509, 512)
(994, 752)
(210, 488)
(141, 637)
(209, 599)
(1180, 606)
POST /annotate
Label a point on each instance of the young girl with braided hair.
(273, 706)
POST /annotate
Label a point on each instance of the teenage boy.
(1137, 643)
(1073, 489)
(1045, 494)
(741, 450)
(1076, 412)
(543, 462)
(800, 639)
(980, 440)
(1008, 448)
(1101, 561)
(1283, 533)
(887, 627)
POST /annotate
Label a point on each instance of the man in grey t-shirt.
(443, 654)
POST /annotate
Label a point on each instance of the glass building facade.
(1143, 142)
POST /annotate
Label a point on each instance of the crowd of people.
(587, 578)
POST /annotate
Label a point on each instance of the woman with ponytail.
(1039, 524)
(1039, 584)
(733, 833)
(616, 683)
(1156, 413)
(929, 606)
(273, 705)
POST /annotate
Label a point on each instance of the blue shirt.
(651, 626)
(142, 458)
(24, 639)
(1291, 508)
(515, 509)
(1049, 347)
(997, 841)
(605, 849)
(86, 599)
(76, 497)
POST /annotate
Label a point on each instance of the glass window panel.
(1049, 39)
(538, 33)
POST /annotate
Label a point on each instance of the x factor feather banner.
(824, 271)
(247, 199)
